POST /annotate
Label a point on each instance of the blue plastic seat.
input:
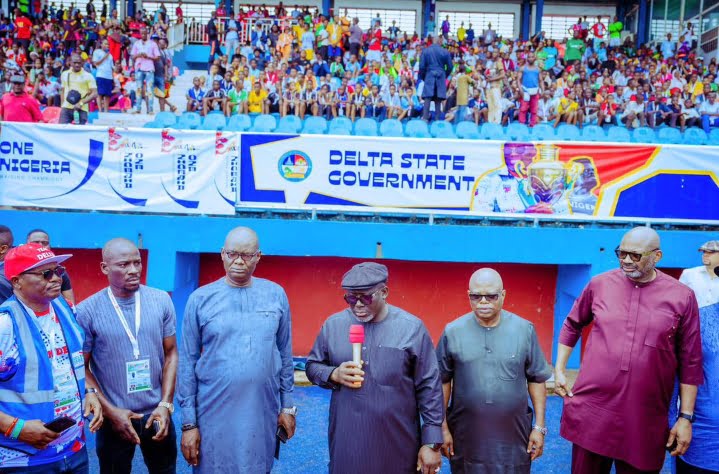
(467, 131)
(714, 136)
(191, 120)
(440, 129)
(239, 123)
(366, 127)
(695, 136)
(618, 134)
(671, 136)
(568, 132)
(644, 135)
(391, 128)
(289, 124)
(166, 119)
(340, 126)
(542, 131)
(264, 123)
(152, 124)
(492, 131)
(517, 132)
(214, 122)
(417, 128)
(315, 125)
(593, 133)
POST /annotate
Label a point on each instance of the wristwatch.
(434, 446)
(170, 407)
(188, 427)
(289, 411)
(90, 390)
(542, 430)
(687, 416)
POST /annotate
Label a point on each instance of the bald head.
(116, 247)
(242, 236)
(486, 276)
(642, 239)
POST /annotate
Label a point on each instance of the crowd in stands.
(82, 60)
(329, 66)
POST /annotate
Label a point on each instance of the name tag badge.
(138, 376)
(78, 359)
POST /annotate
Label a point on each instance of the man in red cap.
(42, 370)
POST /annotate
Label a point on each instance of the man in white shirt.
(710, 112)
(102, 60)
(702, 279)
(668, 47)
(634, 112)
(232, 39)
(545, 108)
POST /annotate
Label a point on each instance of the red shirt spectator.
(24, 27)
(18, 106)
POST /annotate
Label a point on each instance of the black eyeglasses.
(365, 299)
(246, 257)
(476, 297)
(622, 254)
(49, 273)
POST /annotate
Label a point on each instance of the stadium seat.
(714, 136)
(517, 132)
(467, 131)
(492, 131)
(289, 124)
(214, 122)
(644, 135)
(568, 132)
(239, 123)
(439, 129)
(366, 127)
(391, 128)
(695, 136)
(264, 123)
(618, 134)
(166, 119)
(191, 120)
(315, 125)
(542, 131)
(340, 126)
(417, 128)
(152, 124)
(51, 114)
(593, 133)
(446, 132)
(671, 136)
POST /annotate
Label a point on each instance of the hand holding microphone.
(350, 373)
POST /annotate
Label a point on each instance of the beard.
(364, 319)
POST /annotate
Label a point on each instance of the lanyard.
(121, 317)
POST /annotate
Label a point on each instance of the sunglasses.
(246, 257)
(476, 297)
(49, 273)
(622, 254)
(365, 299)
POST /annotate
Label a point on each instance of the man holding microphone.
(377, 402)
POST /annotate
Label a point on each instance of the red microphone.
(357, 339)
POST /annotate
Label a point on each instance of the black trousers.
(115, 454)
(684, 468)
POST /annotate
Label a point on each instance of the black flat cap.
(364, 276)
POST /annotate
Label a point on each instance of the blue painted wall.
(174, 242)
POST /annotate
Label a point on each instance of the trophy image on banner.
(549, 180)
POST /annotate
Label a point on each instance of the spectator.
(690, 116)
(615, 33)
(19, 106)
(710, 112)
(212, 36)
(103, 62)
(78, 90)
(635, 112)
(144, 52)
(195, 96)
(214, 99)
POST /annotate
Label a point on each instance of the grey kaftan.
(236, 373)
(376, 428)
(488, 416)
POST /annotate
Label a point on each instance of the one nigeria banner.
(117, 169)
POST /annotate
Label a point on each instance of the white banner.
(117, 169)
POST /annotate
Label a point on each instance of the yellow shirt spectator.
(81, 81)
(256, 100)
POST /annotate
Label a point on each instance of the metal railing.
(197, 34)
(176, 36)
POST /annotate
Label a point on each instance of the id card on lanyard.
(137, 370)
